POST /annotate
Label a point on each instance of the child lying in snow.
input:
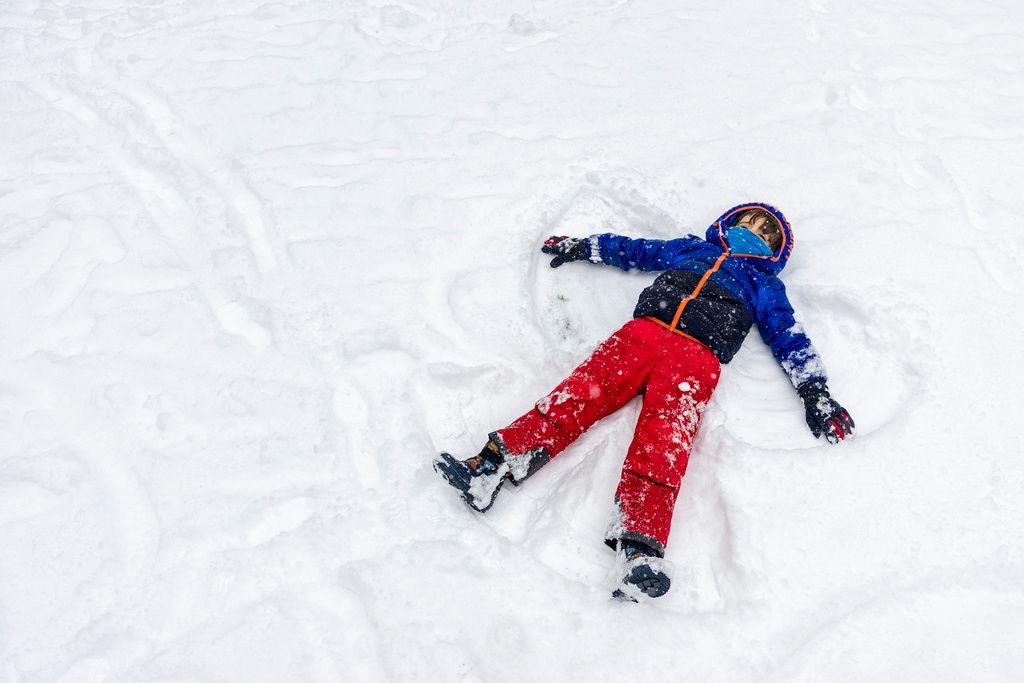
(692, 319)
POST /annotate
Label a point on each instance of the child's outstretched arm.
(793, 350)
(622, 252)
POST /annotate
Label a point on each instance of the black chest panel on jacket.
(714, 317)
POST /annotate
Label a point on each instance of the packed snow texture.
(260, 261)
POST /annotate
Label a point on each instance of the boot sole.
(447, 466)
(651, 583)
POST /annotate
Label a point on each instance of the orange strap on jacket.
(696, 290)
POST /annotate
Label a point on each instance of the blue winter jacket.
(715, 296)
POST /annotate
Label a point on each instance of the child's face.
(762, 225)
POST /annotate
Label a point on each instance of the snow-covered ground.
(259, 261)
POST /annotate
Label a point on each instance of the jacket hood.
(771, 264)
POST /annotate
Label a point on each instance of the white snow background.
(259, 261)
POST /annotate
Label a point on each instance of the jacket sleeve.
(640, 254)
(785, 336)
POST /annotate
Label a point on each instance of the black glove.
(824, 415)
(566, 249)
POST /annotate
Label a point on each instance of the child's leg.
(613, 374)
(677, 392)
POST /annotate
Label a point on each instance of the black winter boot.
(644, 573)
(479, 478)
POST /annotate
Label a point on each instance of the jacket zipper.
(696, 290)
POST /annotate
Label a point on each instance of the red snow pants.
(675, 374)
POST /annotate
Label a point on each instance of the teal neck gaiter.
(742, 241)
